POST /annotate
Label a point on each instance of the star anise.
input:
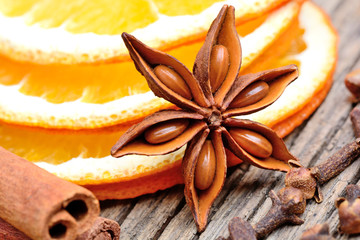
(208, 99)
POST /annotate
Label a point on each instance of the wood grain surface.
(165, 215)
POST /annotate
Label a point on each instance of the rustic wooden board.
(164, 215)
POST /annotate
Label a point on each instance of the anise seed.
(251, 94)
(173, 80)
(252, 142)
(219, 66)
(165, 131)
(205, 166)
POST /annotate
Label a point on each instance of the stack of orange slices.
(68, 88)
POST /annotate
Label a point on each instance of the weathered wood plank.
(151, 213)
(165, 215)
(183, 227)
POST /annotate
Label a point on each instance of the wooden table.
(165, 215)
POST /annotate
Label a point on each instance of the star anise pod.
(208, 99)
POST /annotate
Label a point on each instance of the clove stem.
(337, 163)
(285, 207)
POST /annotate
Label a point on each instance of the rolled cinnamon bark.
(40, 204)
(102, 229)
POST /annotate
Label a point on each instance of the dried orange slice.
(93, 96)
(77, 31)
(87, 162)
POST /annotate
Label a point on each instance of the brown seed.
(252, 142)
(172, 80)
(251, 94)
(165, 131)
(219, 66)
(205, 166)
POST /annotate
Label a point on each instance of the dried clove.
(337, 163)
(352, 82)
(349, 210)
(355, 119)
(301, 178)
(309, 179)
(240, 229)
(301, 184)
(286, 206)
(318, 232)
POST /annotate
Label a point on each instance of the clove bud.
(318, 232)
(301, 178)
(349, 210)
(352, 82)
(286, 206)
(355, 119)
(240, 229)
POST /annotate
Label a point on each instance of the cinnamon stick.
(104, 229)
(40, 204)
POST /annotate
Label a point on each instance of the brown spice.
(241, 230)
(204, 98)
(352, 82)
(309, 179)
(286, 206)
(40, 204)
(8, 232)
(301, 178)
(337, 163)
(349, 210)
(355, 119)
(318, 232)
(102, 229)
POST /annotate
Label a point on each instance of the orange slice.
(87, 162)
(93, 96)
(77, 31)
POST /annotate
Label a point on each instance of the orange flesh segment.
(98, 16)
(57, 146)
(58, 84)
(89, 83)
(185, 7)
(288, 43)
